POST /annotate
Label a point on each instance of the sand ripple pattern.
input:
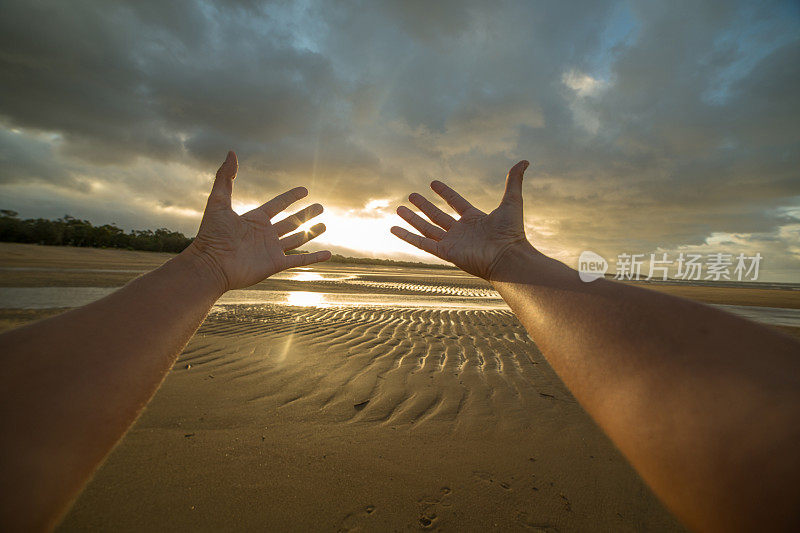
(422, 288)
(378, 365)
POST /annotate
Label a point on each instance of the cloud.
(648, 125)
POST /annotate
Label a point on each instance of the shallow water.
(61, 297)
(429, 297)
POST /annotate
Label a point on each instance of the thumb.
(223, 183)
(513, 194)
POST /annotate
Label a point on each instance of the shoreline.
(27, 265)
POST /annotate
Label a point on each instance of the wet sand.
(28, 265)
(286, 417)
(345, 419)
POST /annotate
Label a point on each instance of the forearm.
(704, 404)
(85, 376)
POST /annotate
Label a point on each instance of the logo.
(591, 266)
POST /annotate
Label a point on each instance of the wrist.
(515, 259)
(203, 269)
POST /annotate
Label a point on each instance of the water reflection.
(306, 276)
(306, 299)
(449, 298)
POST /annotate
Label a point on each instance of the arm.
(74, 383)
(705, 405)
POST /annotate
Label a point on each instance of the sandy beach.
(427, 411)
(340, 420)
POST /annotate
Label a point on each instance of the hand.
(243, 250)
(475, 242)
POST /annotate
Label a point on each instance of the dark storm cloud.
(648, 123)
(153, 79)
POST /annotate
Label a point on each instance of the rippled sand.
(347, 419)
(388, 367)
(345, 398)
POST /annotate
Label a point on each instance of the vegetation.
(70, 231)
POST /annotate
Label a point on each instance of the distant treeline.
(70, 231)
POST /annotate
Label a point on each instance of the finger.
(426, 228)
(296, 260)
(280, 202)
(513, 194)
(431, 211)
(428, 245)
(295, 240)
(455, 200)
(223, 182)
(292, 222)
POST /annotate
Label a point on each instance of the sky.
(651, 127)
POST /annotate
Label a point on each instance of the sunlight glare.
(366, 234)
(240, 208)
(305, 276)
(365, 231)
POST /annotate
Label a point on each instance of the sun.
(368, 234)
(364, 230)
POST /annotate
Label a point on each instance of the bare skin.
(705, 405)
(74, 383)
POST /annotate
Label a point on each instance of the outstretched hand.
(476, 241)
(244, 249)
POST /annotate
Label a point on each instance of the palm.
(248, 248)
(261, 254)
(476, 240)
